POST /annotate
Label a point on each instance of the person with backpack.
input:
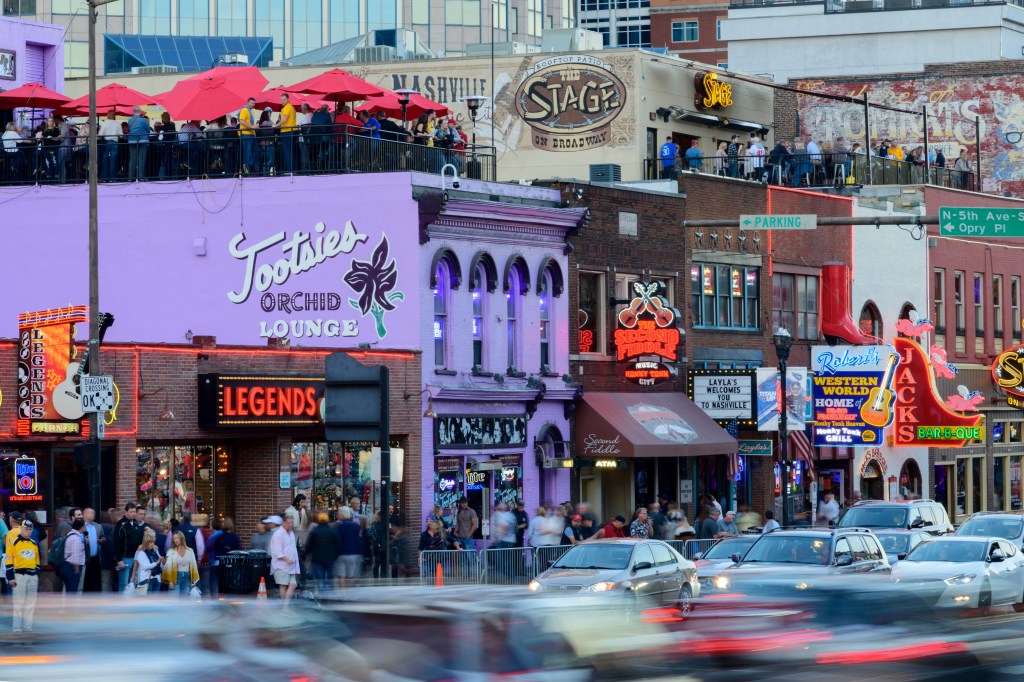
(22, 571)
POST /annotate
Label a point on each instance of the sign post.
(97, 393)
(971, 221)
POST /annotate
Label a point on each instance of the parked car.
(636, 568)
(965, 572)
(925, 515)
(804, 554)
(1005, 525)
(718, 558)
(897, 542)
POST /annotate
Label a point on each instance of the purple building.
(498, 397)
(30, 52)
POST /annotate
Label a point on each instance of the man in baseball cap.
(571, 535)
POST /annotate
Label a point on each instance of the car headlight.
(722, 582)
(604, 586)
(534, 586)
(961, 579)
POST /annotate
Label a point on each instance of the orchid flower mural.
(374, 281)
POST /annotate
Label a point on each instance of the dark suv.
(804, 553)
(924, 515)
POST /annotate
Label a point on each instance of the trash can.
(258, 566)
(233, 578)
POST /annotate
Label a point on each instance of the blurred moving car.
(634, 568)
(1005, 525)
(897, 542)
(805, 554)
(965, 572)
(925, 515)
(718, 558)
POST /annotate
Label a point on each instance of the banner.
(852, 397)
(797, 402)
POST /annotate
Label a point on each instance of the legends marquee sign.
(230, 401)
(648, 336)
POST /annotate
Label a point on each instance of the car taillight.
(900, 653)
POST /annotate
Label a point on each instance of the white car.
(966, 572)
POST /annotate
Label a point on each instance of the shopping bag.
(195, 594)
(129, 591)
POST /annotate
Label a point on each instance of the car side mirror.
(642, 566)
(901, 557)
(918, 523)
(996, 557)
(698, 556)
(844, 560)
(736, 558)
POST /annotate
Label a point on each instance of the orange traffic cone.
(261, 594)
(438, 576)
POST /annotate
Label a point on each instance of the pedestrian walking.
(284, 557)
(181, 570)
(349, 565)
(222, 543)
(146, 565)
(22, 572)
(323, 548)
(127, 537)
(94, 539)
(74, 557)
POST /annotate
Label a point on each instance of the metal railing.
(803, 170)
(179, 155)
(510, 565)
(844, 6)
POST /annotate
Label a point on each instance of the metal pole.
(783, 445)
(385, 467)
(927, 163)
(977, 150)
(867, 137)
(880, 220)
(94, 259)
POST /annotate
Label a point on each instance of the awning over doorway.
(647, 425)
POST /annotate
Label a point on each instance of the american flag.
(733, 429)
(801, 449)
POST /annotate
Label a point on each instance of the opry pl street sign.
(967, 221)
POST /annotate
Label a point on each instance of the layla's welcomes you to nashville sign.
(570, 101)
(648, 336)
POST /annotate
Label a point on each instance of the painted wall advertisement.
(852, 397)
(953, 103)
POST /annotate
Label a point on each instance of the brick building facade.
(691, 31)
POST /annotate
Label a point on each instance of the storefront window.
(172, 479)
(331, 474)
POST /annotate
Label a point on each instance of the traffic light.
(86, 455)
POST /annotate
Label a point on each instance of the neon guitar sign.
(648, 335)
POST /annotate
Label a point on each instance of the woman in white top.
(147, 558)
(180, 569)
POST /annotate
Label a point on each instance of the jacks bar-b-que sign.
(259, 400)
(648, 336)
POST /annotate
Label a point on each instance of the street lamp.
(473, 103)
(783, 341)
(404, 95)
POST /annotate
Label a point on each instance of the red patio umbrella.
(114, 97)
(337, 85)
(243, 76)
(206, 97)
(272, 98)
(389, 103)
(32, 96)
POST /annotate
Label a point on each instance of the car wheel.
(685, 602)
(985, 598)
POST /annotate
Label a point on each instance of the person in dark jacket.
(127, 538)
(222, 542)
(349, 565)
(322, 547)
(779, 157)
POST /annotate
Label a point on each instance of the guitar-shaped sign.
(67, 395)
(877, 409)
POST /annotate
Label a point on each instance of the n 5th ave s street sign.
(968, 221)
(801, 221)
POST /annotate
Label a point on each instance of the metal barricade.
(457, 567)
(507, 565)
(677, 545)
(547, 555)
(695, 547)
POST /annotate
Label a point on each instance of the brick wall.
(708, 49)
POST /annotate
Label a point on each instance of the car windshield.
(894, 543)
(596, 556)
(957, 552)
(1008, 528)
(726, 548)
(874, 517)
(789, 549)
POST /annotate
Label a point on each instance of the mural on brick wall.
(953, 106)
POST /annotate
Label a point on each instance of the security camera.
(455, 184)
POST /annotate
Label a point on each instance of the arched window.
(513, 313)
(905, 314)
(479, 290)
(870, 321)
(546, 332)
(442, 303)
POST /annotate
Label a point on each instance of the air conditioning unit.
(374, 53)
(605, 172)
(234, 58)
(159, 68)
(412, 56)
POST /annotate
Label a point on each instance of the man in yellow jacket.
(22, 566)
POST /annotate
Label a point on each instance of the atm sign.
(259, 400)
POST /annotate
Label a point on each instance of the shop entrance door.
(945, 490)
(478, 492)
(833, 481)
(616, 493)
(872, 485)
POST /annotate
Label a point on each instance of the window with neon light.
(725, 297)
(979, 304)
(939, 300)
(591, 314)
(513, 307)
(544, 303)
(478, 293)
(442, 294)
(958, 300)
(871, 321)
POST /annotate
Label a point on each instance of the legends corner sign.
(230, 401)
(921, 418)
(648, 336)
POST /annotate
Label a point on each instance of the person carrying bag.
(147, 558)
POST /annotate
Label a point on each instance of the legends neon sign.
(259, 400)
(648, 335)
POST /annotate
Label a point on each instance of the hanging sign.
(648, 336)
(1008, 373)
(852, 395)
(725, 394)
(921, 418)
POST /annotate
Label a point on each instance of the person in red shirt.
(345, 125)
(612, 529)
